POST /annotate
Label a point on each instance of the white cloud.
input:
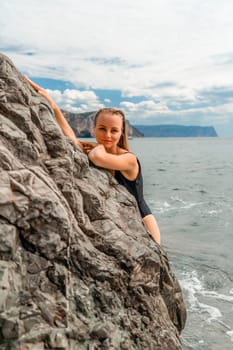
(149, 112)
(144, 108)
(78, 96)
(76, 101)
(129, 45)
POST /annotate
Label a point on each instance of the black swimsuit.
(135, 187)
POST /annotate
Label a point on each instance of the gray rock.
(169, 130)
(78, 270)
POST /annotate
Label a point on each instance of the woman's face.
(108, 130)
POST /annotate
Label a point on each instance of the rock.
(169, 130)
(78, 269)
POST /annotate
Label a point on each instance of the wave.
(230, 334)
(195, 292)
(178, 204)
(175, 203)
(193, 287)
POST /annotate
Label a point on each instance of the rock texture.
(82, 124)
(78, 271)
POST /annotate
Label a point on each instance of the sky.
(161, 61)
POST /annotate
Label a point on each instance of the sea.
(188, 184)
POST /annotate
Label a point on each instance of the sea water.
(188, 184)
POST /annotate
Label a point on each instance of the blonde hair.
(123, 142)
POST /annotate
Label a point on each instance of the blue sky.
(162, 61)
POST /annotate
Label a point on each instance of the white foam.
(217, 296)
(192, 285)
(214, 312)
(230, 334)
(177, 199)
(166, 207)
(161, 207)
(215, 212)
(185, 204)
(176, 203)
(194, 288)
(180, 200)
(190, 205)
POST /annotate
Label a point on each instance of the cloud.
(144, 108)
(201, 110)
(170, 53)
(76, 101)
(223, 59)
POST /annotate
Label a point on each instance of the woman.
(111, 152)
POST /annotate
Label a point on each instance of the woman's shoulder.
(133, 155)
(121, 151)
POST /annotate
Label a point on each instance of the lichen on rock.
(78, 270)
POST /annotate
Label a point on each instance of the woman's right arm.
(64, 125)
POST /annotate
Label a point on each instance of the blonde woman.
(111, 152)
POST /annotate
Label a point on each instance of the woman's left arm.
(123, 162)
(63, 123)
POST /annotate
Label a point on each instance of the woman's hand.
(88, 146)
(63, 123)
(41, 91)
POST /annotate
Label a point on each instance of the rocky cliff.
(78, 271)
(82, 124)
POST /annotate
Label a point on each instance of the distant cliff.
(176, 131)
(82, 124)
